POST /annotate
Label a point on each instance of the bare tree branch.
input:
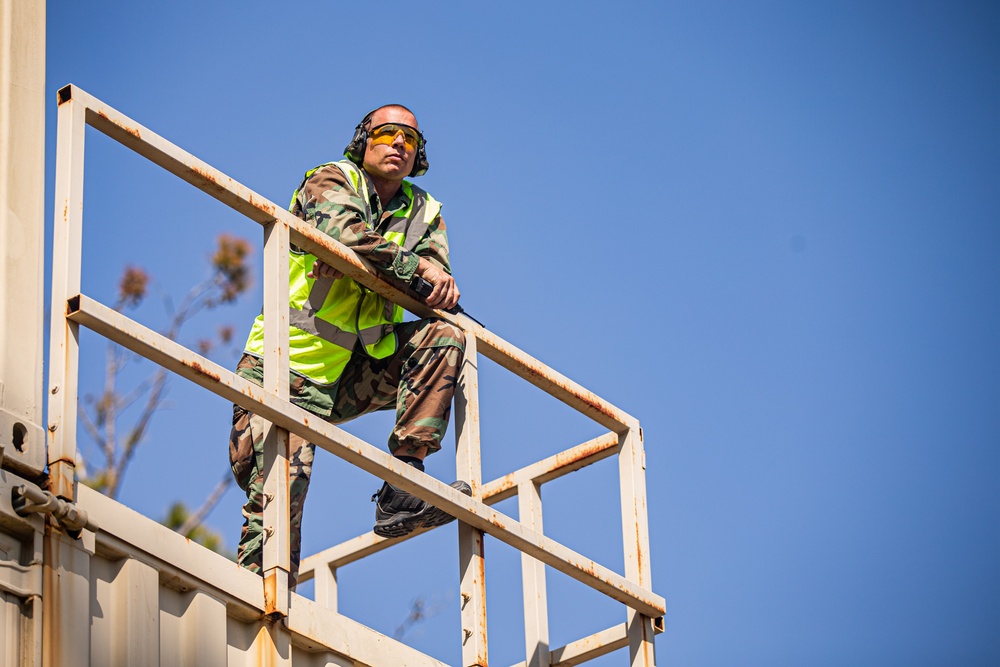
(138, 431)
(196, 517)
(91, 429)
(119, 439)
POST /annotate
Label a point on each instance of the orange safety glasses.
(386, 133)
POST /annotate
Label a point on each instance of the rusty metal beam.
(553, 467)
(258, 208)
(548, 380)
(471, 541)
(230, 192)
(369, 458)
(77, 109)
(505, 487)
(276, 520)
(635, 538)
(592, 646)
(64, 344)
(534, 595)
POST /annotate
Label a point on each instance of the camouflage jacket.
(329, 201)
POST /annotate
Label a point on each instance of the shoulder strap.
(359, 179)
(416, 226)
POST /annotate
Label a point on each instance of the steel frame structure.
(286, 617)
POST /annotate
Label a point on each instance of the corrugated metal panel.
(159, 599)
(190, 625)
(10, 630)
(138, 594)
(20, 582)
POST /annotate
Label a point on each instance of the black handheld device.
(424, 289)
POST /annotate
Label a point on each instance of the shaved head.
(386, 107)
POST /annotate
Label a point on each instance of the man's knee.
(443, 334)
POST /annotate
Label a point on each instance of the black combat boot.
(399, 513)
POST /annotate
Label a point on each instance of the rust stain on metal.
(266, 650)
(337, 249)
(271, 594)
(265, 206)
(534, 367)
(561, 460)
(579, 453)
(638, 551)
(198, 368)
(479, 581)
(52, 596)
(507, 483)
(207, 176)
(131, 130)
(482, 597)
(60, 479)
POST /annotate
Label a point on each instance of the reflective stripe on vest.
(327, 317)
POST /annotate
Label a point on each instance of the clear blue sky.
(770, 231)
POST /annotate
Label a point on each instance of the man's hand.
(445, 293)
(321, 269)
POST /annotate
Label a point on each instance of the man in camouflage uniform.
(412, 366)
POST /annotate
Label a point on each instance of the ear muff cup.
(355, 150)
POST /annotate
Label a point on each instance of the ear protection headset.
(355, 151)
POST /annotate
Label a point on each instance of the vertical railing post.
(276, 562)
(536, 608)
(64, 343)
(325, 586)
(635, 535)
(468, 466)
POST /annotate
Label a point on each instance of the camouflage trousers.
(419, 381)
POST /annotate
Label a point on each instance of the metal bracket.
(29, 499)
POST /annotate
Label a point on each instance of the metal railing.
(70, 309)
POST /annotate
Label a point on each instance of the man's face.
(392, 161)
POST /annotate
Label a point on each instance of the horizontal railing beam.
(313, 623)
(500, 489)
(553, 467)
(551, 382)
(237, 196)
(161, 152)
(228, 385)
(242, 199)
(592, 646)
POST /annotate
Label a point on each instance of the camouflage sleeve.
(329, 201)
(434, 245)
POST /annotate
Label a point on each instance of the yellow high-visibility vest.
(327, 317)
